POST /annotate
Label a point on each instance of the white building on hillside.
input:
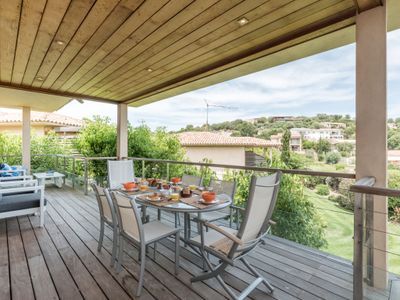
(317, 134)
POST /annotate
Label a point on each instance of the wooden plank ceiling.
(130, 50)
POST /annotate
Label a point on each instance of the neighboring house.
(41, 124)
(337, 125)
(284, 118)
(295, 140)
(317, 134)
(220, 148)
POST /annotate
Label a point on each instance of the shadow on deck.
(61, 261)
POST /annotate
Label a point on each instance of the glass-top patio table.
(186, 206)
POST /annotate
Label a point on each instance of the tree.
(306, 144)
(394, 141)
(285, 154)
(332, 158)
(345, 149)
(349, 131)
(46, 144)
(322, 146)
(247, 129)
(98, 138)
(10, 149)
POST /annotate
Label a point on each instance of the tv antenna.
(208, 105)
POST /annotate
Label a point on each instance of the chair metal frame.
(231, 208)
(196, 182)
(142, 243)
(104, 220)
(239, 248)
(192, 179)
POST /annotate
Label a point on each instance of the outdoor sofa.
(22, 197)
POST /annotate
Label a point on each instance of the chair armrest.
(23, 189)
(16, 178)
(223, 232)
(18, 183)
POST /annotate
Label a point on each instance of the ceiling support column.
(371, 135)
(26, 138)
(122, 131)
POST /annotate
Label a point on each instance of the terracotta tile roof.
(41, 117)
(216, 139)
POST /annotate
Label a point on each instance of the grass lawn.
(339, 231)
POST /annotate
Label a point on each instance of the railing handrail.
(374, 190)
(257, 169)
(365, 186)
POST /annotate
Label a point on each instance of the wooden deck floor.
(61, 261)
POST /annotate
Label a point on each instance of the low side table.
(58, 178)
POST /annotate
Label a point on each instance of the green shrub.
(332, 198)
(312, 181)
(98, 138)
(296, 216)
(396, 215)
(394, 202)
(296, 161)
(43, 150)
(322, 190)
(332, 158)
(333, 182)
(343, 201)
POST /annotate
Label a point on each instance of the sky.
(322, 83)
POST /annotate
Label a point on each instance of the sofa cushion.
(20, 201)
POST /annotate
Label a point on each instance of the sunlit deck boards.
(61, 261)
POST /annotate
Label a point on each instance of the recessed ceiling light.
(243, 21)
(39, 78)
(149, 70)
(58, 42)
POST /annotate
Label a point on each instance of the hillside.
(264, 127)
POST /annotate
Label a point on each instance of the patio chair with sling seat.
(229, 245)
(119, 172)
(221, 187)
(107, 216)
(132, 230)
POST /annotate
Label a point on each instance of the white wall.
(218, 155)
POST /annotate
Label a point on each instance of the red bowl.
(129, 185)
(208, 196)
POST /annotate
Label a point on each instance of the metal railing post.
(65, 167)
(85, 166)
(57, 163)
(73, 173)
(358, 248)
(368, 238)
(143, 169)
(167, 172)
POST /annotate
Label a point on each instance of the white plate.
(158, 199)
(130, 190)
(209, 202)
